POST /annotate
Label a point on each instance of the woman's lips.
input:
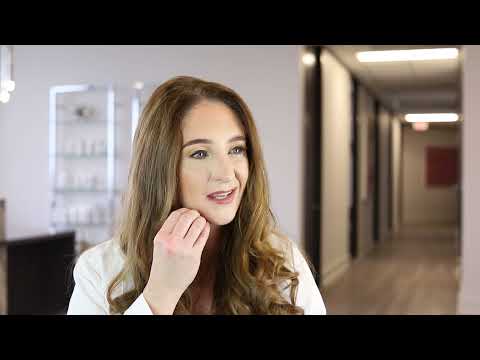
(226, 200)
(220, 192)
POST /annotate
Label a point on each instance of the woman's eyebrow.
(207, 141)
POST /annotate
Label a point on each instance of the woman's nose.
(223, 170)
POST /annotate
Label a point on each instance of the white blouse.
(97, 267)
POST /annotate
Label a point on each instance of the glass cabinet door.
(82, 163)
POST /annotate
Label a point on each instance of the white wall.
(336, 158)
(424, 205)
(267, 77)
(366, 163)
(469, 296)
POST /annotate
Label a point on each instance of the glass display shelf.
(74, 225)
(75, 156)
(70, 108)
(81, 121)
(84, 190)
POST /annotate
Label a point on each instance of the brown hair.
(252, 271)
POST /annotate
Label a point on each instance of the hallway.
(416, 274)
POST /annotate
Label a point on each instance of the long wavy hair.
(253, 273)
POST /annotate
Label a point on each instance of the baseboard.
(386, 235)
(330, 275)
(364, 251)
(431, 223)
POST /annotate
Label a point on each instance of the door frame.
(376, 182)
(354, 173)
(313, 163)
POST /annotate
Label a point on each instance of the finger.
(202, 238)
(195, 230)
(183, 224)
(172, 220)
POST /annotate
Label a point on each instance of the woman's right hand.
(177, 249)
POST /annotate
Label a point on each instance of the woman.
(197, 235)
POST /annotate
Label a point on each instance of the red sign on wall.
(441, 166)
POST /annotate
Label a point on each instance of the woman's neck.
(209, 260)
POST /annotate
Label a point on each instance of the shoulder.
(308, 294)
(294, 256)
(93, 271)
(102, 261)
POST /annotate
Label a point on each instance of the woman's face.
(214, 158)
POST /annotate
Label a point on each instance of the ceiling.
(412, 86)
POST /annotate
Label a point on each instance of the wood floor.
(414, 273)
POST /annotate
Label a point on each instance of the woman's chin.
(219, 219)
(216, 215)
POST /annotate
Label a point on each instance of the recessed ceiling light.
(138, 85)
(407, 55)
(8, 85)
(308, 59)
(4, 96)
(439, 117)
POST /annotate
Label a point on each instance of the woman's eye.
(240, 148)
(202, 154)
(199, 152)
